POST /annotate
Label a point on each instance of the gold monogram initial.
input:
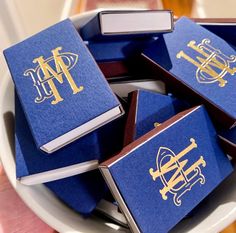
(156, 124)
(44, 75)
(181, 179)
(212, 66)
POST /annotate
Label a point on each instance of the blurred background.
(21, 18)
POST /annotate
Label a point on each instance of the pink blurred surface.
(15, 216)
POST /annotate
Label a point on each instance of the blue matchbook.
(111, 24)
(197, 63)
(63, 93)
(81, 192)
(148, 110)
(159, 178)
(34, 166)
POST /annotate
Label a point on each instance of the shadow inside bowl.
(9, 121)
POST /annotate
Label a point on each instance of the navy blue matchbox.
(120, 57)
(149, 109)
(60, 86)
(81, 192)
(228, 141)
(195, 62)
(118, 50)
(33, 166)
(109, 24)
(159, 178)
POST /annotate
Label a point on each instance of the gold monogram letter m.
(44, 75)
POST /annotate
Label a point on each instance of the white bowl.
(219, 212)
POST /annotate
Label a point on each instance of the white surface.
(36, 15)
(112, 211)
(122, 89)
(135, 22)
(214, 216)
(10, 27)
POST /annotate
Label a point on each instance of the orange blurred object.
(179, 7)
(230, 229)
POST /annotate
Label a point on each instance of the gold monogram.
(44, 75)
(156, 124)
(175, 177)
(213, 66)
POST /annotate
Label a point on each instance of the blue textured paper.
(30, 160)
(118, 50)
(141, 192)
(99, 145)
(91, 30)
(226, 32)
(164, 51)
(154, 108)
(48, 121)
(81, 192)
